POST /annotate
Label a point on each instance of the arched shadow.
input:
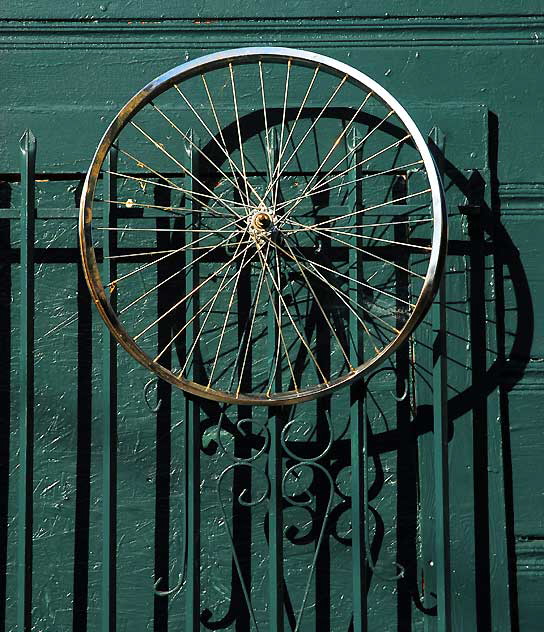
(486, 238)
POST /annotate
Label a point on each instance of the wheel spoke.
(275, 184)
(195, 316)
(214, 299)
(349, 183)
(323, 180)
(321, 308)
(175, 188)
(173, 275)
(144, 180)
(223, 147)
(370, 254)
(336, 143)
(164, 230)
(337, 290)
(307, 133)
(143, 253)
(225, 322)
(346, 226)
(234, 167)
(386, 241)
(177, 210)
(132, 272)
(266, 130)
(291, 131)
(238, 129)
(142, 165)
(372, 238)
(367, 209)
(359, 144)
(184, 168)
(281, 340)
(314, 189)
(301, 337)
(193, 291)
(195, 146)
(358, 281)
(172, 185)
(252, 323)
(341, 295)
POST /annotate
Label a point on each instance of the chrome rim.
(312, 222)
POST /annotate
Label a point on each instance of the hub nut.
(262, 221)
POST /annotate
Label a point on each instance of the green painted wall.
(473, 71)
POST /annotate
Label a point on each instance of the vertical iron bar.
(440, 410)
(193, 517)
(109, 411)
(440, 404)
(192, 432)
(163, 417)
(275, 526)
(357, 512)
(357, 424)
(26, 420)
(275, 517)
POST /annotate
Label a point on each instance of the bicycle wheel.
(272, 225)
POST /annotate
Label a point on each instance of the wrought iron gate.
(301, 483)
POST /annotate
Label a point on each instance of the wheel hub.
(262, 221)
(261, 224)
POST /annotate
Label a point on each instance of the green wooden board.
(258, 9)
(470, 71)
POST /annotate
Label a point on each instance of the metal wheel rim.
(244, 56)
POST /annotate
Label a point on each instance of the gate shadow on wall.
(487, 240)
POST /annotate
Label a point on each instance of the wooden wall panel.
(471, 69)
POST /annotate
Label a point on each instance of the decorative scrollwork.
(240, 428)
(395, 371)
(368, 554)
(147, 388)
(182, 577)
(284, 441)
(312, 466)
(246, 503)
